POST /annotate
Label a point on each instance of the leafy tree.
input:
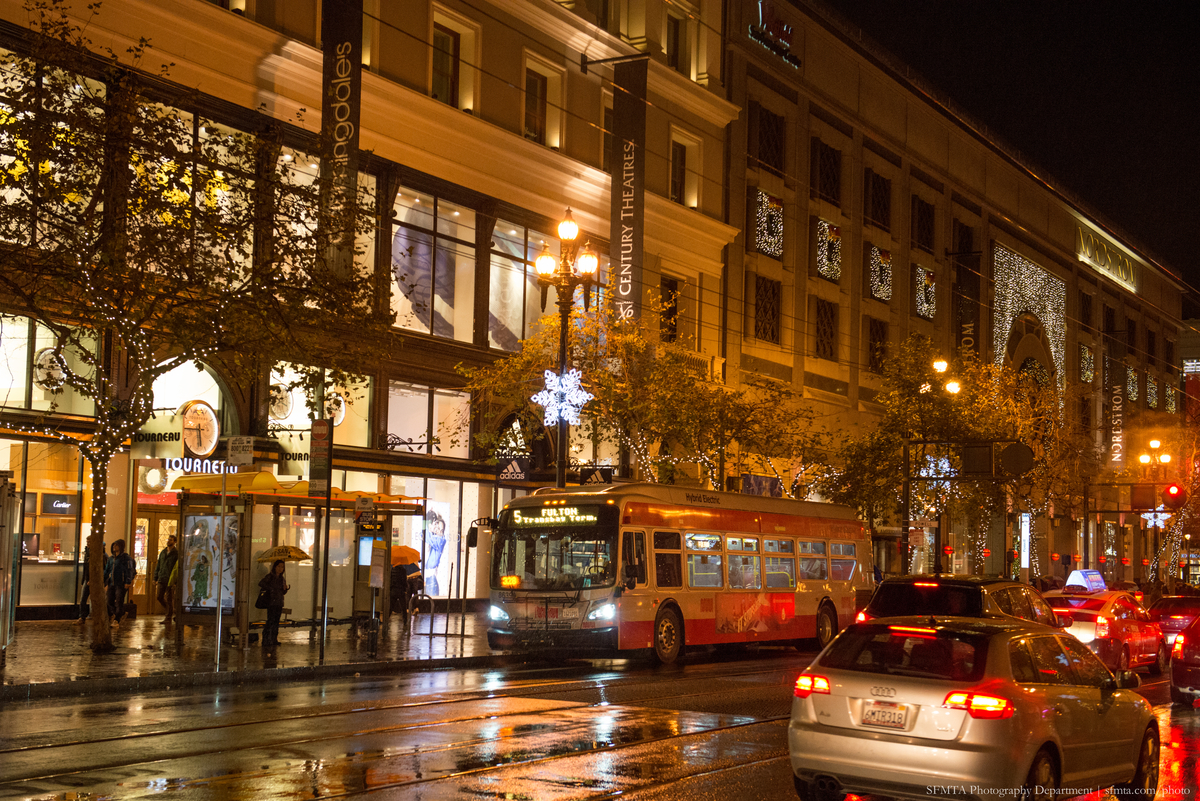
(141, 235)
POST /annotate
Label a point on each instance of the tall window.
(922, 224)
(768, 225)
(669, 322)
(829, 251)
(768, 138)
(433, 265)
(877, 341)
(879, 273)
(678, 171)
(825, 325)
(877, 200)
(1131, 340)
(445, 65)
(1085, 414)
(606, 157)
(536, 97)
(1151, 348)
(924, 292)
(1085, 310)
(1110, 320)
(827, 172)
(676, 40)
(1169, 353)
(422, 419)
(767, 308)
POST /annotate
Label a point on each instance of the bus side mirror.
(629, 577)
(472, 537)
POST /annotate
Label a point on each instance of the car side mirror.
(1064, 621)
(1123, 680)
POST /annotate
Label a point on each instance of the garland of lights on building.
(1087, 365)
(768, 225)
(1023, 287)
(1131, 383)
(925, 293)
(1151, 393)
(1170, 393)
(881, 274)
(829, 251)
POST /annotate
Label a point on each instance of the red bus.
(637, 566)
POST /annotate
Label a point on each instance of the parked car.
(1174, 613)
(965, 596)
(968, 706)
(1114, 626)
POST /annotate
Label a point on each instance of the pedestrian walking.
(162, 575)
(119, 573)
(275, 586)
(87, 586)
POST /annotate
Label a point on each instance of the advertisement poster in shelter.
(204, 557)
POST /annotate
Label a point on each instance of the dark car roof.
(987, 625)
(951, 579)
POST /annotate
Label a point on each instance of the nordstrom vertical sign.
(341, 43)
(628, 161)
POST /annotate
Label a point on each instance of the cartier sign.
(1108, 259)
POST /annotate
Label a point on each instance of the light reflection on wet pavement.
(708, 732)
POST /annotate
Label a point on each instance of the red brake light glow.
(1178, 649)
(806, 685)
(983, 707)
(863, 617)
(925, 583)
(914, 630)
(1101, 626)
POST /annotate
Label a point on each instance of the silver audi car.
(914, 707)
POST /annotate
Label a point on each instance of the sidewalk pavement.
(52, 658)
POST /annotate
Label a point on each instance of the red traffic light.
(1174, 497)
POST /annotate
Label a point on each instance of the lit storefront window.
(426, 420)
(40, 386)
(433, 265)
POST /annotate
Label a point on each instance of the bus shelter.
(219, 560)
(10, 544)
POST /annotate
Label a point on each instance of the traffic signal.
(1174, 497)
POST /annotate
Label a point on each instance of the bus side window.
(842, 569)
(633, 556)
(781, 570)
(668, 566)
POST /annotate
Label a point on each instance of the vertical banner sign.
(320, 458)
(967, 301)
(628, 161)
(341, 44)
(1116, 417)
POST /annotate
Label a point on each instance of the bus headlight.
(603, 612)
(497, 614)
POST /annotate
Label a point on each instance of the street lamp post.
(574, 267)
(1153, 465)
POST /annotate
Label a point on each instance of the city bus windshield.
(555, 548)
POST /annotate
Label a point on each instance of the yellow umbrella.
(288, 553)
(403, 555)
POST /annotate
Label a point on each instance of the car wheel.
(1160, 661)
(1144, 783)
(668, 636)
(1042, 782)
(1179, 697)
(826, 625)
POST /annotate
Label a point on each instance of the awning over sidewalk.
(262, 483)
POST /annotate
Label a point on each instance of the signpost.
(320, 472)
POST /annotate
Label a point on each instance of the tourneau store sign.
(556, 516)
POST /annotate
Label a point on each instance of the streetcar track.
(525, 691)
(679, 779)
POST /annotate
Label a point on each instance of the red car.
(1174, 613)
(1185, 665)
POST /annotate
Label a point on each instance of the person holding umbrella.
(275, 586)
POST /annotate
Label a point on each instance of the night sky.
(1104, 96)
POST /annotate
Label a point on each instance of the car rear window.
(909, 651)
(926, 598)
(1073, 603)
(1172, 605)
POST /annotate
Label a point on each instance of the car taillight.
(806, 685)
(1101, 626)
(977, 705)
(863, 617)
(1178, 649)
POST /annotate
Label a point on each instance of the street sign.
(364, 510)
(378, 557)
(239, 450)
(320, 458)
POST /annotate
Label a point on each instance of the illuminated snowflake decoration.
(1131, 383)
(881, 274)
(1024, 287)
(829, 251)
(1151, 393)
(926, 293)
(1170, 392)
(1158, 518)
(563, 397)
(1087, 365)
(768, 225)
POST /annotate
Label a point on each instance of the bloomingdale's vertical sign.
(628, 160)
(341, 43)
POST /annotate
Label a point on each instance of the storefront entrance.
(151, 527)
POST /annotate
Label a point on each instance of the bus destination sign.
(556, 516)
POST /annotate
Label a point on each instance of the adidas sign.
(514, 472)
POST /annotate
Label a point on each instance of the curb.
(230, 678)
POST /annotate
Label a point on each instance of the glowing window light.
(1131, 383)
(1151, 393)
(563, 397)
(881, 274)
(768, 225)
(925, 293)
(1087, 364)
(1170, 399)
(1024, 287)
(829, 251)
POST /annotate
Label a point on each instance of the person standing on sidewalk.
(119, 573)
(276, 587)
(162, 575)
(87, 587)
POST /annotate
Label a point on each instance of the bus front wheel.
(668, 636)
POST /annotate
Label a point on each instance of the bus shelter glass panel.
(208, 560)
(298, 527)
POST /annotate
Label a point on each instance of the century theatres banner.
(628, 161)
(341, 83)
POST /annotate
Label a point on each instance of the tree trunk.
(101, 627)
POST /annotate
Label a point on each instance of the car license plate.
(885, 715)
(556, 613)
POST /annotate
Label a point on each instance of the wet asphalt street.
(712, 728)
